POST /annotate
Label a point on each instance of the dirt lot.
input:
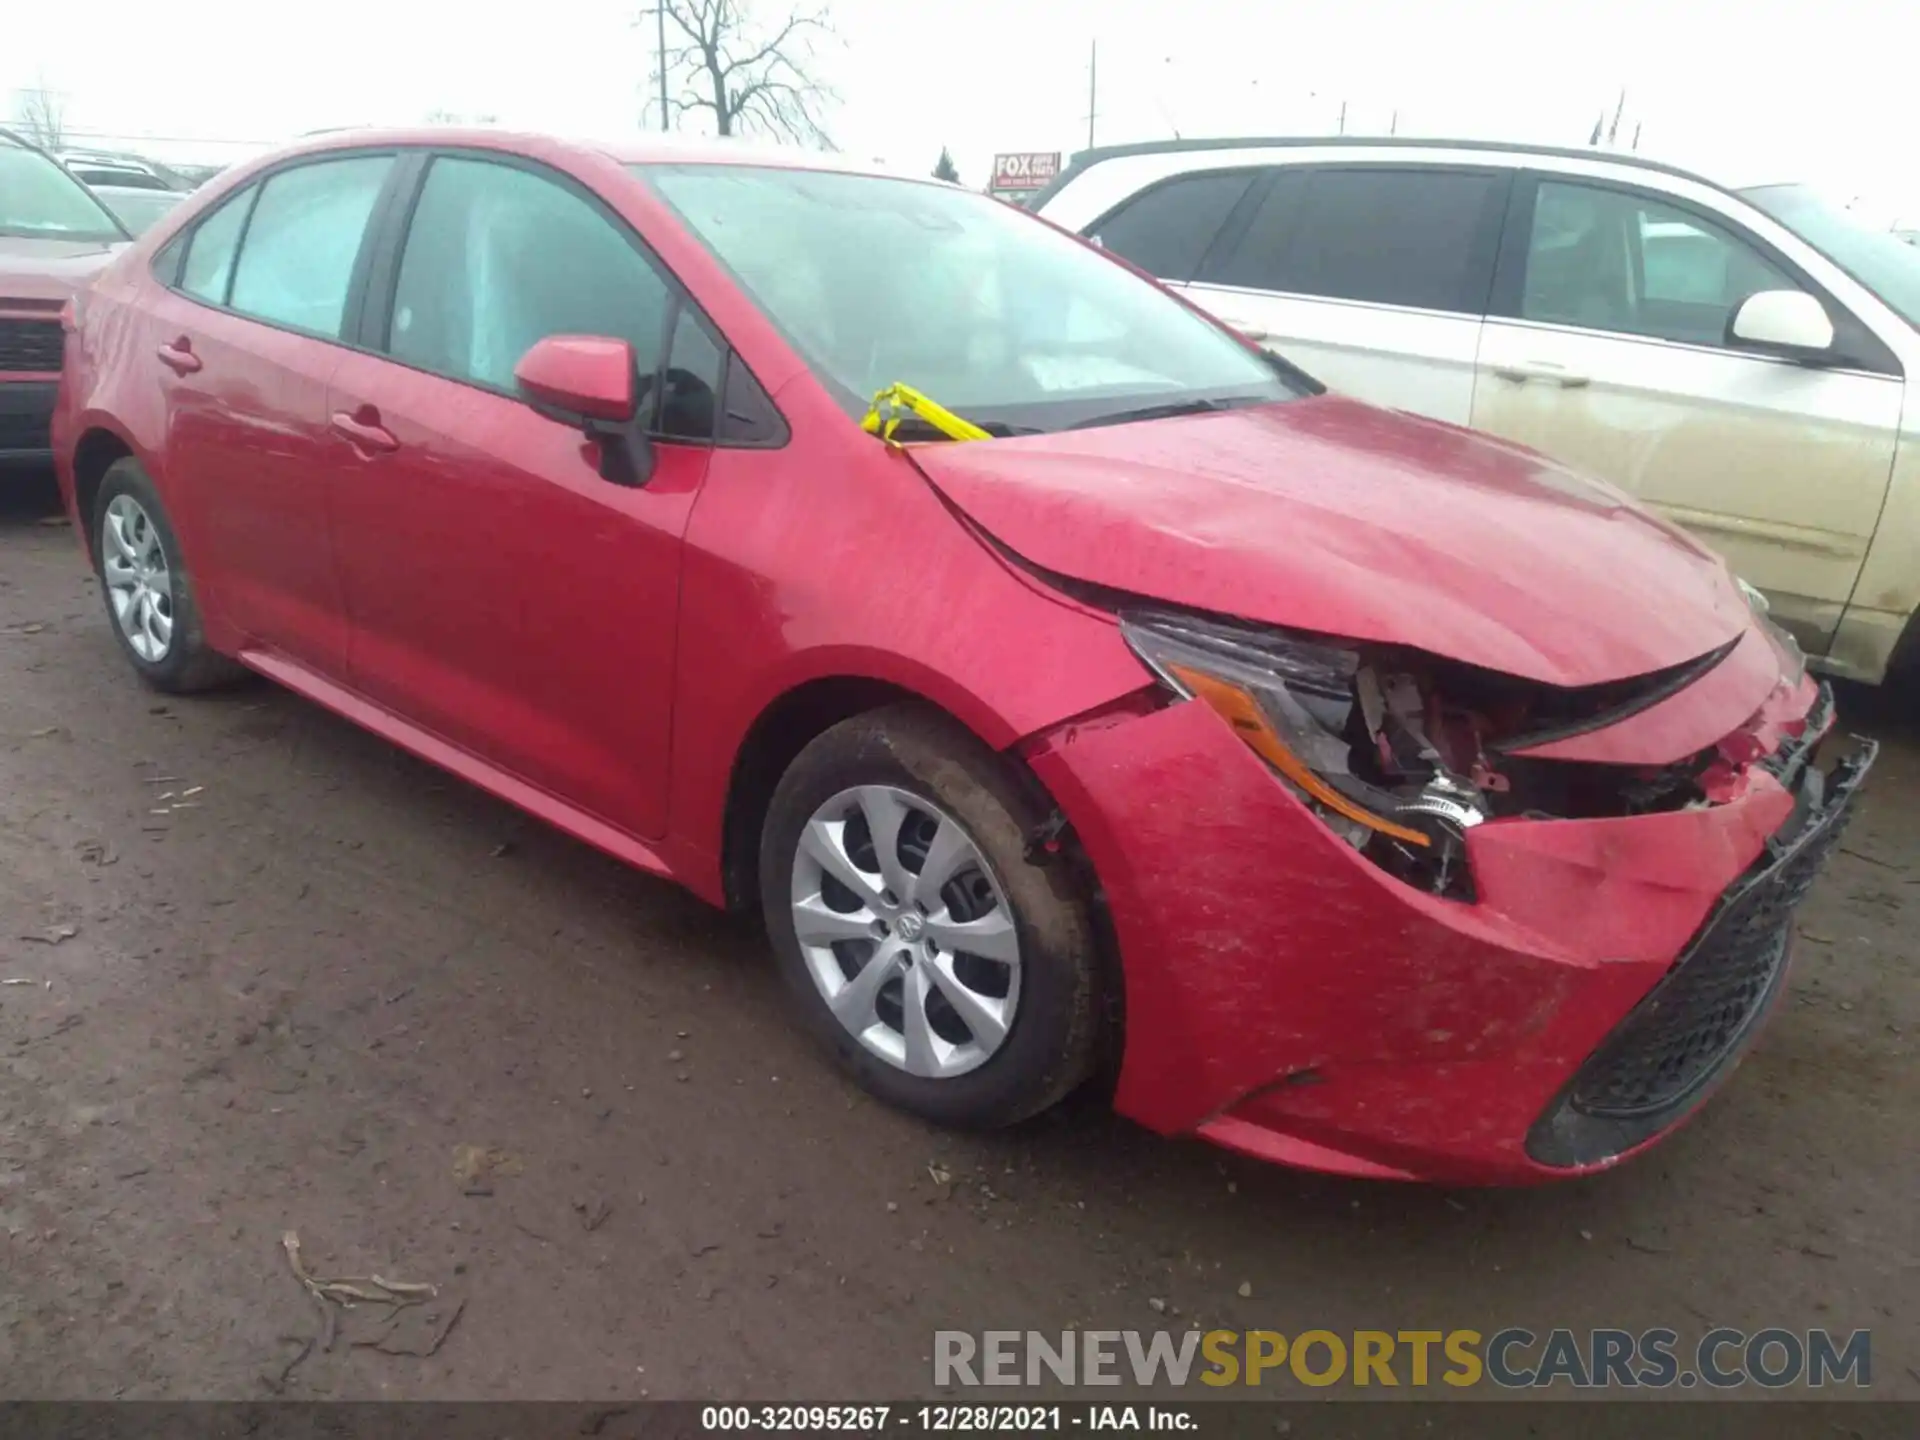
(296, 971)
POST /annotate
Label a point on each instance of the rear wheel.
(951, 975)
(148, 594)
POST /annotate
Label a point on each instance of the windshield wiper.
(901, 406)
(1160, 412)
(913, 427)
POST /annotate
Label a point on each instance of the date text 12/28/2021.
(944, 1419)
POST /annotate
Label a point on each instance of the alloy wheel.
(906, 932)
(138, 578)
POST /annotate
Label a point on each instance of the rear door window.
(1253, 259)
(1167, 229)
(297, 257)
(1421, 238)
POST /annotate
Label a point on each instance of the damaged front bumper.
(1286, 998)
(1693, 1026)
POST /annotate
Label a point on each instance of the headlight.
(1350, 744)
(1793, 662)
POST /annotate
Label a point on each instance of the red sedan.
(1075, 688)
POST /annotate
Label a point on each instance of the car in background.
(127, 172)
(54, 238)
(137, 209)
(1743, 361)
(1381, 798)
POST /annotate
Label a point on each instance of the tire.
(134, 543)
(936, 773)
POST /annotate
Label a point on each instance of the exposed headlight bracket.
(1310, 708)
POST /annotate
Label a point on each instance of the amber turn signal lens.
(1250, 723)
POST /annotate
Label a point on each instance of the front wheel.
(952, 976)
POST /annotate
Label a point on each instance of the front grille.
(30, 345)
(1693, 1025)
(1679, 1033)
(25, 431)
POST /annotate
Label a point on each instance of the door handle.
(178, 357)
(1247, 328)
(362, 429)
(1543, 370)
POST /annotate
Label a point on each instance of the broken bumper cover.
(1695, 1024)
(1286, 998)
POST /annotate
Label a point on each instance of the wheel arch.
(97, 451)
(784, 727)
(838, 687)
(1903, 661)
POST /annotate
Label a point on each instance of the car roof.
(643, 149)
(1086, 159)
(113, 158)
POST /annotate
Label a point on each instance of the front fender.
(797, 572)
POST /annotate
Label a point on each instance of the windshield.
(40, 201)
(994, 315)
(1878, 259)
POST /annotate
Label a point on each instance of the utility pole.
(1093, 87)
(659, 13)
(1343, 117)
(1393, 125)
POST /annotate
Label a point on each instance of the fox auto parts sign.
(1026, 170)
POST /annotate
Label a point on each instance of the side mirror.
(591, 383)
(1789, 322)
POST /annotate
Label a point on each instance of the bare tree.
(752, 73)
(42, 114)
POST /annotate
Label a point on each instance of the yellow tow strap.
(897, 401)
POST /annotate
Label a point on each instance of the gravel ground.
(334, 991)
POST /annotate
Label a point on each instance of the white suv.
(1738, 359)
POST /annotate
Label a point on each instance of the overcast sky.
(1745, 91)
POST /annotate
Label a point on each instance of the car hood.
(1328, 515)
(34, 269)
